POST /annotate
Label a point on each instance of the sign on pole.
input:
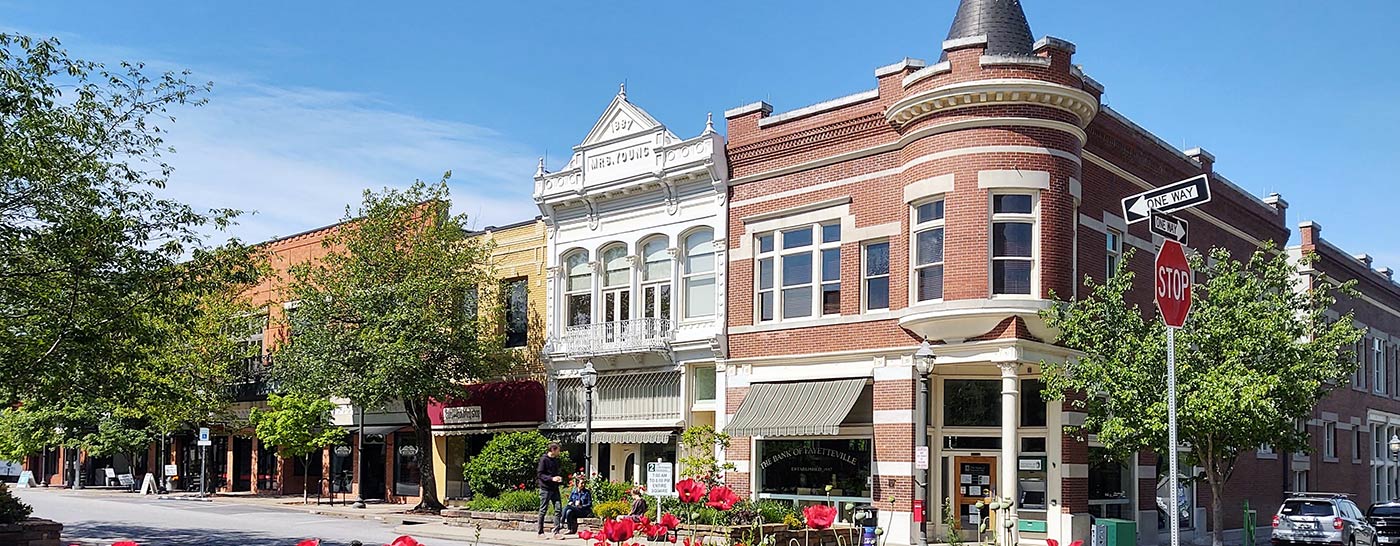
(660, 478)
(1173, 283)
(1172, 197)
(921, 457)
(1169, 227)
(204, 437)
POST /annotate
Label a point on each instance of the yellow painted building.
(516, 400)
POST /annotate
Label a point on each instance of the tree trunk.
(1217, 504)
(306, 477)
(418, 416)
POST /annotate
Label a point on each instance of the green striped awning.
(795, 409)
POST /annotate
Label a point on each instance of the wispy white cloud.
(298, 155)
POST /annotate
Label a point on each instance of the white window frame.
(915, 228)
(815, 285)
(570, 291)
(659, 285)
(866, 277)
(1266, 451)
(771, 258)
(1113, 250)
(688, 276)
(1378, 371)
(1032, 218)
(1329, 440)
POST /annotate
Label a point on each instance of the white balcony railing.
(617, 337)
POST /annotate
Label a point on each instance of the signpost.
(1169, 227)
(661, 481)
(921, 457)
(1170, 198)
(204, 444)
(1173, 294)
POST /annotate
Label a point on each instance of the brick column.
(1074, 473)
(893, 474)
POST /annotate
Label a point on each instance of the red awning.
(502, 403)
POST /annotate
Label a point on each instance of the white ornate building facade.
(636, 229)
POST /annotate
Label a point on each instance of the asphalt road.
(103, 518)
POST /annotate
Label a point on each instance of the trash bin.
(1116, 532)
(867, 517)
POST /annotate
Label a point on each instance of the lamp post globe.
(1394, 445)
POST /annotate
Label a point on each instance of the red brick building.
(948, 203)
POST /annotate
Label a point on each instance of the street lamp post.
(360, 462)
(590, 380)
(1395, 447)
(923, 362)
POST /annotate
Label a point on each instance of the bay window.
(656, 279)
(1013, 255)
(875, 272)
(699, 274)
(799, 272)
(578, 289)
(928, 251)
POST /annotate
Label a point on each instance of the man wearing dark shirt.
(548, 477)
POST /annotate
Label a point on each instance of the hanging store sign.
(461, 414)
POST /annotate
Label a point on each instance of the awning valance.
(374, 430)
(807, 408)
(616, 437)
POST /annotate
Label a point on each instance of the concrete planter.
(31, 532)
(712, 534)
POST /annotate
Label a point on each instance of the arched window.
(617, 284)
(699, 274)
(578, 289)
(656, 279)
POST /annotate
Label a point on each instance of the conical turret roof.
(1003, 22)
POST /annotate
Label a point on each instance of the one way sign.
(1180, 195)
(1169, 226)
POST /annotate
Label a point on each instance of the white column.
(1009, 444)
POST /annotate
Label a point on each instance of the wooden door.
(972, 479)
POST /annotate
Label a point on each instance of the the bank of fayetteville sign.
(461, 414)
(818, 451)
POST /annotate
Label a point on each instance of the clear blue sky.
(316, 100)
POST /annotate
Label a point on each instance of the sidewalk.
(494, 537)
(393, 514)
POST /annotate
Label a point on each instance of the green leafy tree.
(100, 275)
(699, 443)
(1253, 359)
(382, 315)
(509, 461)
(299, 424)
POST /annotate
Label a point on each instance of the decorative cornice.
(927, 72)
(993, 92)
(817, 136)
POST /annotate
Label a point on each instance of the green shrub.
(11, 509)
(793, 522)
(508, 461)
(608, 491)
(527, 500)
(484, 503)
(775, 511)
(611, 509)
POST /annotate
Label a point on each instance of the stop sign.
(1173, 281)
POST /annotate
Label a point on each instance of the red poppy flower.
(672, 538)
(619, 530)
(722, 498)
(600, 542)
(405, 541)
(669, 521)
(124, 543)
(310, 542)
(585, 534)
(819, 516)
(657, 532)
(690, 490)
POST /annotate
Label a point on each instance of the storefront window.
(1032, 403)
(971, 403)
(1110, 486)
(406, 476)
(342, 468)
(806, 467)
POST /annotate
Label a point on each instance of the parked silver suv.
(1321, 519)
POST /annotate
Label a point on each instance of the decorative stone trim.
(1091, 82)
(928, 72)
(906, 63)
(1014, 60)
(1051, 42)
(975, 123)
(928, 187)
(992, 92)
(961, 43)
(751, 107)
(820, 107)
(1036, 180)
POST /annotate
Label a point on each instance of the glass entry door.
(972, 481)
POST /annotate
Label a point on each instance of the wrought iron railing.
(250, 380)
(616, 337)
